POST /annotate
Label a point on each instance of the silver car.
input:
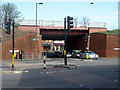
(91, 55)
(68, 55)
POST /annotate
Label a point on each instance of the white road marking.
(81, 85)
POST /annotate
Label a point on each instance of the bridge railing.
(56, 24)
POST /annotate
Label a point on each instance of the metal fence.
(30, 56)
(54, 24)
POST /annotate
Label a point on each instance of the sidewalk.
(56, 63)
(21, 65)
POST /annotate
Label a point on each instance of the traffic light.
(7, 26)
(86, 37)
(70, 22)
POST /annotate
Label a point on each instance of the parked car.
(76, 53)
(91, 55)
(50, 55)
(58, 53)
(69, 55)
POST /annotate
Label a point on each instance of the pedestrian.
(20, 55)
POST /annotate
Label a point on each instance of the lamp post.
(88, 36)
(91, 3)
(36, 32)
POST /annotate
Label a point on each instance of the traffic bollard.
(44, 64)
(13, 58)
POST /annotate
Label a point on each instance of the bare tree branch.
(85, 20)
(9, 12)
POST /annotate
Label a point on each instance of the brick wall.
(91, 30)
(104, 45)
(29, 28)
(112, 42)
(98, 44)
(24, 42)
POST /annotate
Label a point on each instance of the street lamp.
(87, 36)
(36, 31)
(91, 3)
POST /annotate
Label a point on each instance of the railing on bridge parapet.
(54, 24)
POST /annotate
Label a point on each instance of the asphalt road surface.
(102, 73)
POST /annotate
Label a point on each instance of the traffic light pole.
(65, 47)
(13, 48)
(69, 25)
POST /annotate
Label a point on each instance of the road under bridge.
(75, 38)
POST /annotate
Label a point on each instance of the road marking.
(16, 71)
(51, 72)
(47, 72)
(89, 60)
(115, 80)
(81, 85)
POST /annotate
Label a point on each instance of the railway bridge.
(54, 30)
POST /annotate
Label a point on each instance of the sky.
(51, 10)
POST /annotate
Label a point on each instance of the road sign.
(14, 50)
(116, 48)
(35, 39)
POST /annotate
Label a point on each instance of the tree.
(85, 20)
(9, 12)
(76, 20)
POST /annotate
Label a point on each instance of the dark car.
(76, 53)
(58, 53)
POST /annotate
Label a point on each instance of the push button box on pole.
(87, 55)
